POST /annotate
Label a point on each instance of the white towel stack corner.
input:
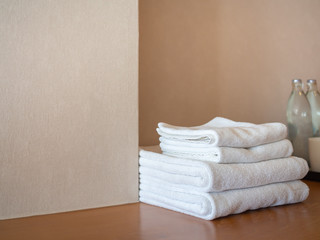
(221, 168)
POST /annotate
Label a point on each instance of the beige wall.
(68, 103)
(200, 59)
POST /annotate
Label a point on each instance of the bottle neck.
(297, 86)
(312, 87)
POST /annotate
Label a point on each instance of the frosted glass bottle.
(313, 97)
(299, 120)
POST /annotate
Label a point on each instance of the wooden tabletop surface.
(141, 221)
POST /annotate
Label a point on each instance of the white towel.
(212, 177)
(279, 149)
(223, 132)
(213, 205)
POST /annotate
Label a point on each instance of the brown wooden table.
(141, 221)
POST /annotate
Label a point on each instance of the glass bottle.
(313, 97)
(299, 120)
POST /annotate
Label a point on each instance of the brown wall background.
(230, 58)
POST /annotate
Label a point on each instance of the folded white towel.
(213, 205)
(279, 149)
(211, 177)
(224, 133)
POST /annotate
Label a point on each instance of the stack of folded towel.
(220, 168)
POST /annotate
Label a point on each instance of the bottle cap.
(296, 81)
(311, 81)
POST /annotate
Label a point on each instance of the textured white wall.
(68, 103)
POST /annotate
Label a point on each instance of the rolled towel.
(213, 177)
(222, 132)
(214, 205)
(279, 149)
